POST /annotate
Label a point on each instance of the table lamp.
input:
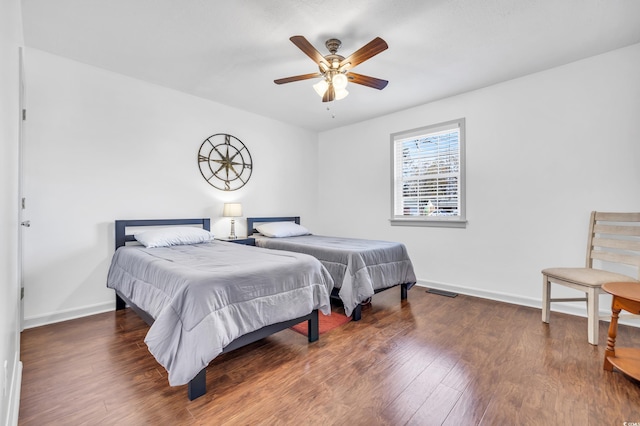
(232, 210)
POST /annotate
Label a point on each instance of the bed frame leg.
(313, 326)
(356, 315)
(198, 385)
(120, 304)
(403, 292)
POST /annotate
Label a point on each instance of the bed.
(359, 268)
(203, 297)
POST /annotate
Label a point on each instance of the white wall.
(10, 376)
(102, 146)
(543, 151)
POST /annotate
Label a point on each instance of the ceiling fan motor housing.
(333, 44)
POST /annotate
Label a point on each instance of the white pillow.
(173, 236)
(282, 229)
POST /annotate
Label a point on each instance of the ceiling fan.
(335, 69)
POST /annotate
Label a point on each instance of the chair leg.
(546, 296)
(593, 315)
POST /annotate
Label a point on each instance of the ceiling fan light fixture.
(340, 94)
(339, 81)
(321, 87)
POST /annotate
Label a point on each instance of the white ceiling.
(231, 51)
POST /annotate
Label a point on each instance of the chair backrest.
(614, 238)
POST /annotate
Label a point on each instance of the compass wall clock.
(225, 162)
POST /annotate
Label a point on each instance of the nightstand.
(247, 241)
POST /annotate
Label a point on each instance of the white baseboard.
(14, 395)
(565, 308)
(69, 314)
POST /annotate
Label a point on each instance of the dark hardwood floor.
(429, 360)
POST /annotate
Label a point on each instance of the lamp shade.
(340, 81)
(321, 87)
(232, 210)
(341, 94)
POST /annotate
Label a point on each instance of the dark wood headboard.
(121, 226)
(252, 221)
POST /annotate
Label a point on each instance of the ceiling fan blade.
(330, 94)
(367, 51)
(308, 49)
(365, 80)
(297, 78)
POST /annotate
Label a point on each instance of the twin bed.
(359, 268)
(203, 297)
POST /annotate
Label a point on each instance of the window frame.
(458, 221)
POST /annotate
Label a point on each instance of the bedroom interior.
(118, 107)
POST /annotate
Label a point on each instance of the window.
(427, 173)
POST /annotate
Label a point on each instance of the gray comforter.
(358, 267)
(204, 296)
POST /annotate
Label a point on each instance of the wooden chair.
(614, 238)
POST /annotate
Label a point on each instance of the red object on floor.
(326, 323)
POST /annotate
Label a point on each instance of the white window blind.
(428, 174)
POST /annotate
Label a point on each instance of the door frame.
(21, 197)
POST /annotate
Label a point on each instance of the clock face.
(225, 163)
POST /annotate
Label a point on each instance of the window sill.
(449, 223)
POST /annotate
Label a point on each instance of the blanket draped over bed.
(204, 296)
(358, 267)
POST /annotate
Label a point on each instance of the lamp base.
(232, 235)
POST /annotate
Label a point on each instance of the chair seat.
(586, 276)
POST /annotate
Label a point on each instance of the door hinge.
(21, 293)
(24, 114)
(24, 203)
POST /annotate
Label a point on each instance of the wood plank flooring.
(431, 360)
